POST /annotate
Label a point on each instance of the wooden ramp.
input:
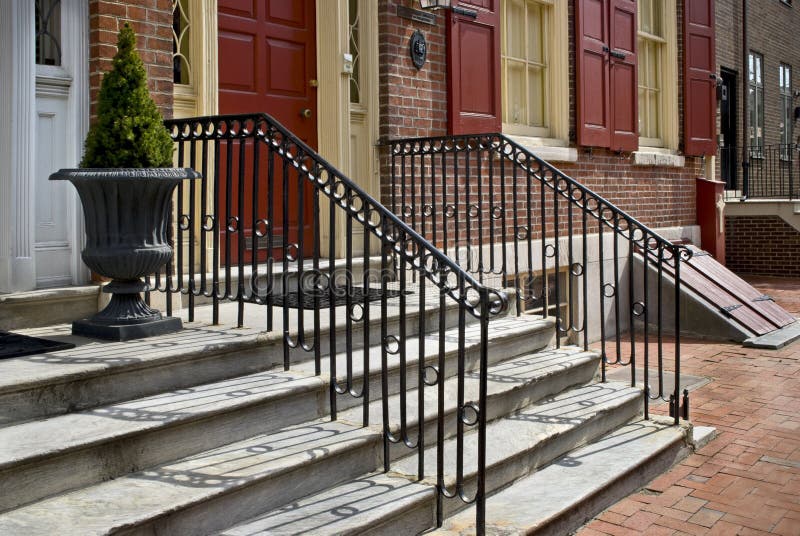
(730, 294)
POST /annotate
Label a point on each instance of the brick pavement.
(747, 480)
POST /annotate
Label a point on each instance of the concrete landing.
(776, 339)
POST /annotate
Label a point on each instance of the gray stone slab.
(373, 504)
(578, 485)
(775, 340)
(520, 443)
(205, 492)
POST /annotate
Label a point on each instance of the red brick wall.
(413, 103)
(762, 245)
(152, 22)
(656, 196)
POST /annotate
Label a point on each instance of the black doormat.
(16, 345)
(357, 294)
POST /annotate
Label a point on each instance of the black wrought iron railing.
(261, 228)
(512, 220)
(773, 172)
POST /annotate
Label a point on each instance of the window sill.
(548, 149)
(657, 158)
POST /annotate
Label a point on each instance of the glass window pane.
(524, 61)
(536, 97)
(48, 32)
(517, 109)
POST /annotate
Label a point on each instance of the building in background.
(759, 79)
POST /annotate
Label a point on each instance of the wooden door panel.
(267, 54)
(238, 74)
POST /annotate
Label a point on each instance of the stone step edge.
(590, 502)
(300, 384)
(632, 403)
(365, 439)
(403, 477)
(314, 389)
(577, 359)
(254, 340)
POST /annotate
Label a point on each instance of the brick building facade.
(760, 234)
(653, 177)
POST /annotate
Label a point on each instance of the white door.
(59, 130)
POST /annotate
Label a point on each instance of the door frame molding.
(18, 142)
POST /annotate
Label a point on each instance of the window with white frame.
(756, 102)
(785, 86)
(525, 66)
(535, 70)
(657, 58)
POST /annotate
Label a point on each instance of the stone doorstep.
(133, 434)
(46, 307)
(159, 497)
(577, 486)
(534, 435)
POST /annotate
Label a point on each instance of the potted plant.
(125, 184)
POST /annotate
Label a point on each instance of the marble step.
(47, 456)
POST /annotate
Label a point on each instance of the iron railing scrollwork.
(236, 240)
(512, 219)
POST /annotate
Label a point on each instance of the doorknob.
(305, 112)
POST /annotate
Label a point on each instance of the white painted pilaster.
(75, 42)
(17, 271)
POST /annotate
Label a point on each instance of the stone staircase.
(202, 432)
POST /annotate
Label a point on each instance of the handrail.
(492, 194)
(499, 302)
(421, 145)
(234, 226)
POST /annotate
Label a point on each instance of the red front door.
(267, 63)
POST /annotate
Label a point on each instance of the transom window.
(756, 99)
(652, 42)
(48, 32)
(526, 67)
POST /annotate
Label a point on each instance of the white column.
(17, 270)
(75, 46)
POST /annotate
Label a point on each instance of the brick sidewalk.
(747, 480)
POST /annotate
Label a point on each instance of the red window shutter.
(594, 109)
(473, 69)
(623, 89)
(699, 89)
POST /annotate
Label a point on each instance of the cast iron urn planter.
(127, 213)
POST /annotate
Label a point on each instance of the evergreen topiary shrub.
(129, 131)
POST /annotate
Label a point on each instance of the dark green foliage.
(129, 131)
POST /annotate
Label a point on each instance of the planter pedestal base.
(126, 332)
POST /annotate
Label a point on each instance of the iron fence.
(773, 172)
(237, 240)
(511, 219)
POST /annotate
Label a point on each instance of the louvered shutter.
(699, 88)
(623, 90)
(473, 69)
(594, 110)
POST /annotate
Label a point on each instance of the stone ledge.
(551, 150)
(658, 159)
